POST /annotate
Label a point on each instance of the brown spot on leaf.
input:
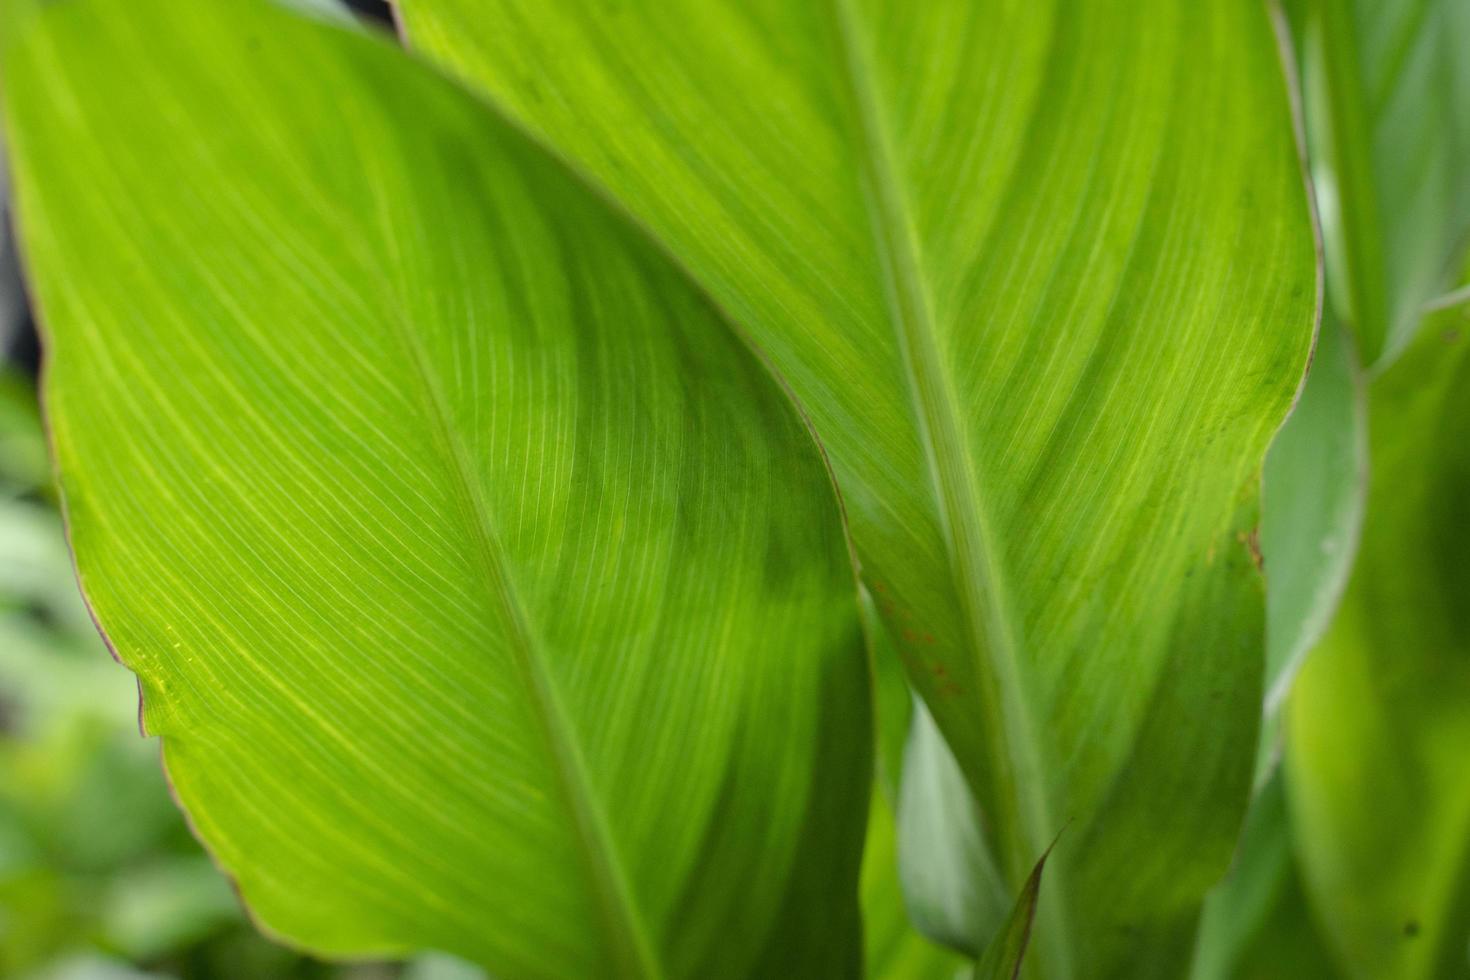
(1252, 542)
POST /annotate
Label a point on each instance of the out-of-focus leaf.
(52, 677)
(954, 890)
(1378, 722)
(23, 465)
(439, 967)
(12, 293)
(93, 967)
(1045, 320)
(1315, 481)
(1388, 118)
(487, 593)
(36, 573)
(1256, 924)
(332, 11)
(894, 949)
(1004, 957)
(166, 905)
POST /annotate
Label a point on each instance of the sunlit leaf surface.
(1042, 276)
(487, 593)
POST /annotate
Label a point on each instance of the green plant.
(476, 473)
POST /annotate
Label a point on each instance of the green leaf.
(487, 593)
(893, 700)
(954, 890)
(1314, 487)
(435, 966)
(1256, 924)
(1378, 723)
(949, 882)
(894, 950)
(22, 443)
(1004, 957)
(1388, 111)
(333, 11)
(1045, 321)
(166, 905)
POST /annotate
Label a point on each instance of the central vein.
(1016, 779)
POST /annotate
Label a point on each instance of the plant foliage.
(542, 476)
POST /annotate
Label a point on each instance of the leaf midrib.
(978, 569)
(625, 932)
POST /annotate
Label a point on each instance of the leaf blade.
(945, 225)
(375, 727)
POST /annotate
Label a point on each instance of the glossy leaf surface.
(486, 592)
(1042, 276)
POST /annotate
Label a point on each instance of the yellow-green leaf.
(487, 593)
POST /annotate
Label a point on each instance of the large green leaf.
(1378, 723)
(487, 593)
(1388, 111)
(1042, 276)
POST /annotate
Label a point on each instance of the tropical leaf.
(1388, 112)
(1378, 722)
(1045, 322)
(487, 594)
